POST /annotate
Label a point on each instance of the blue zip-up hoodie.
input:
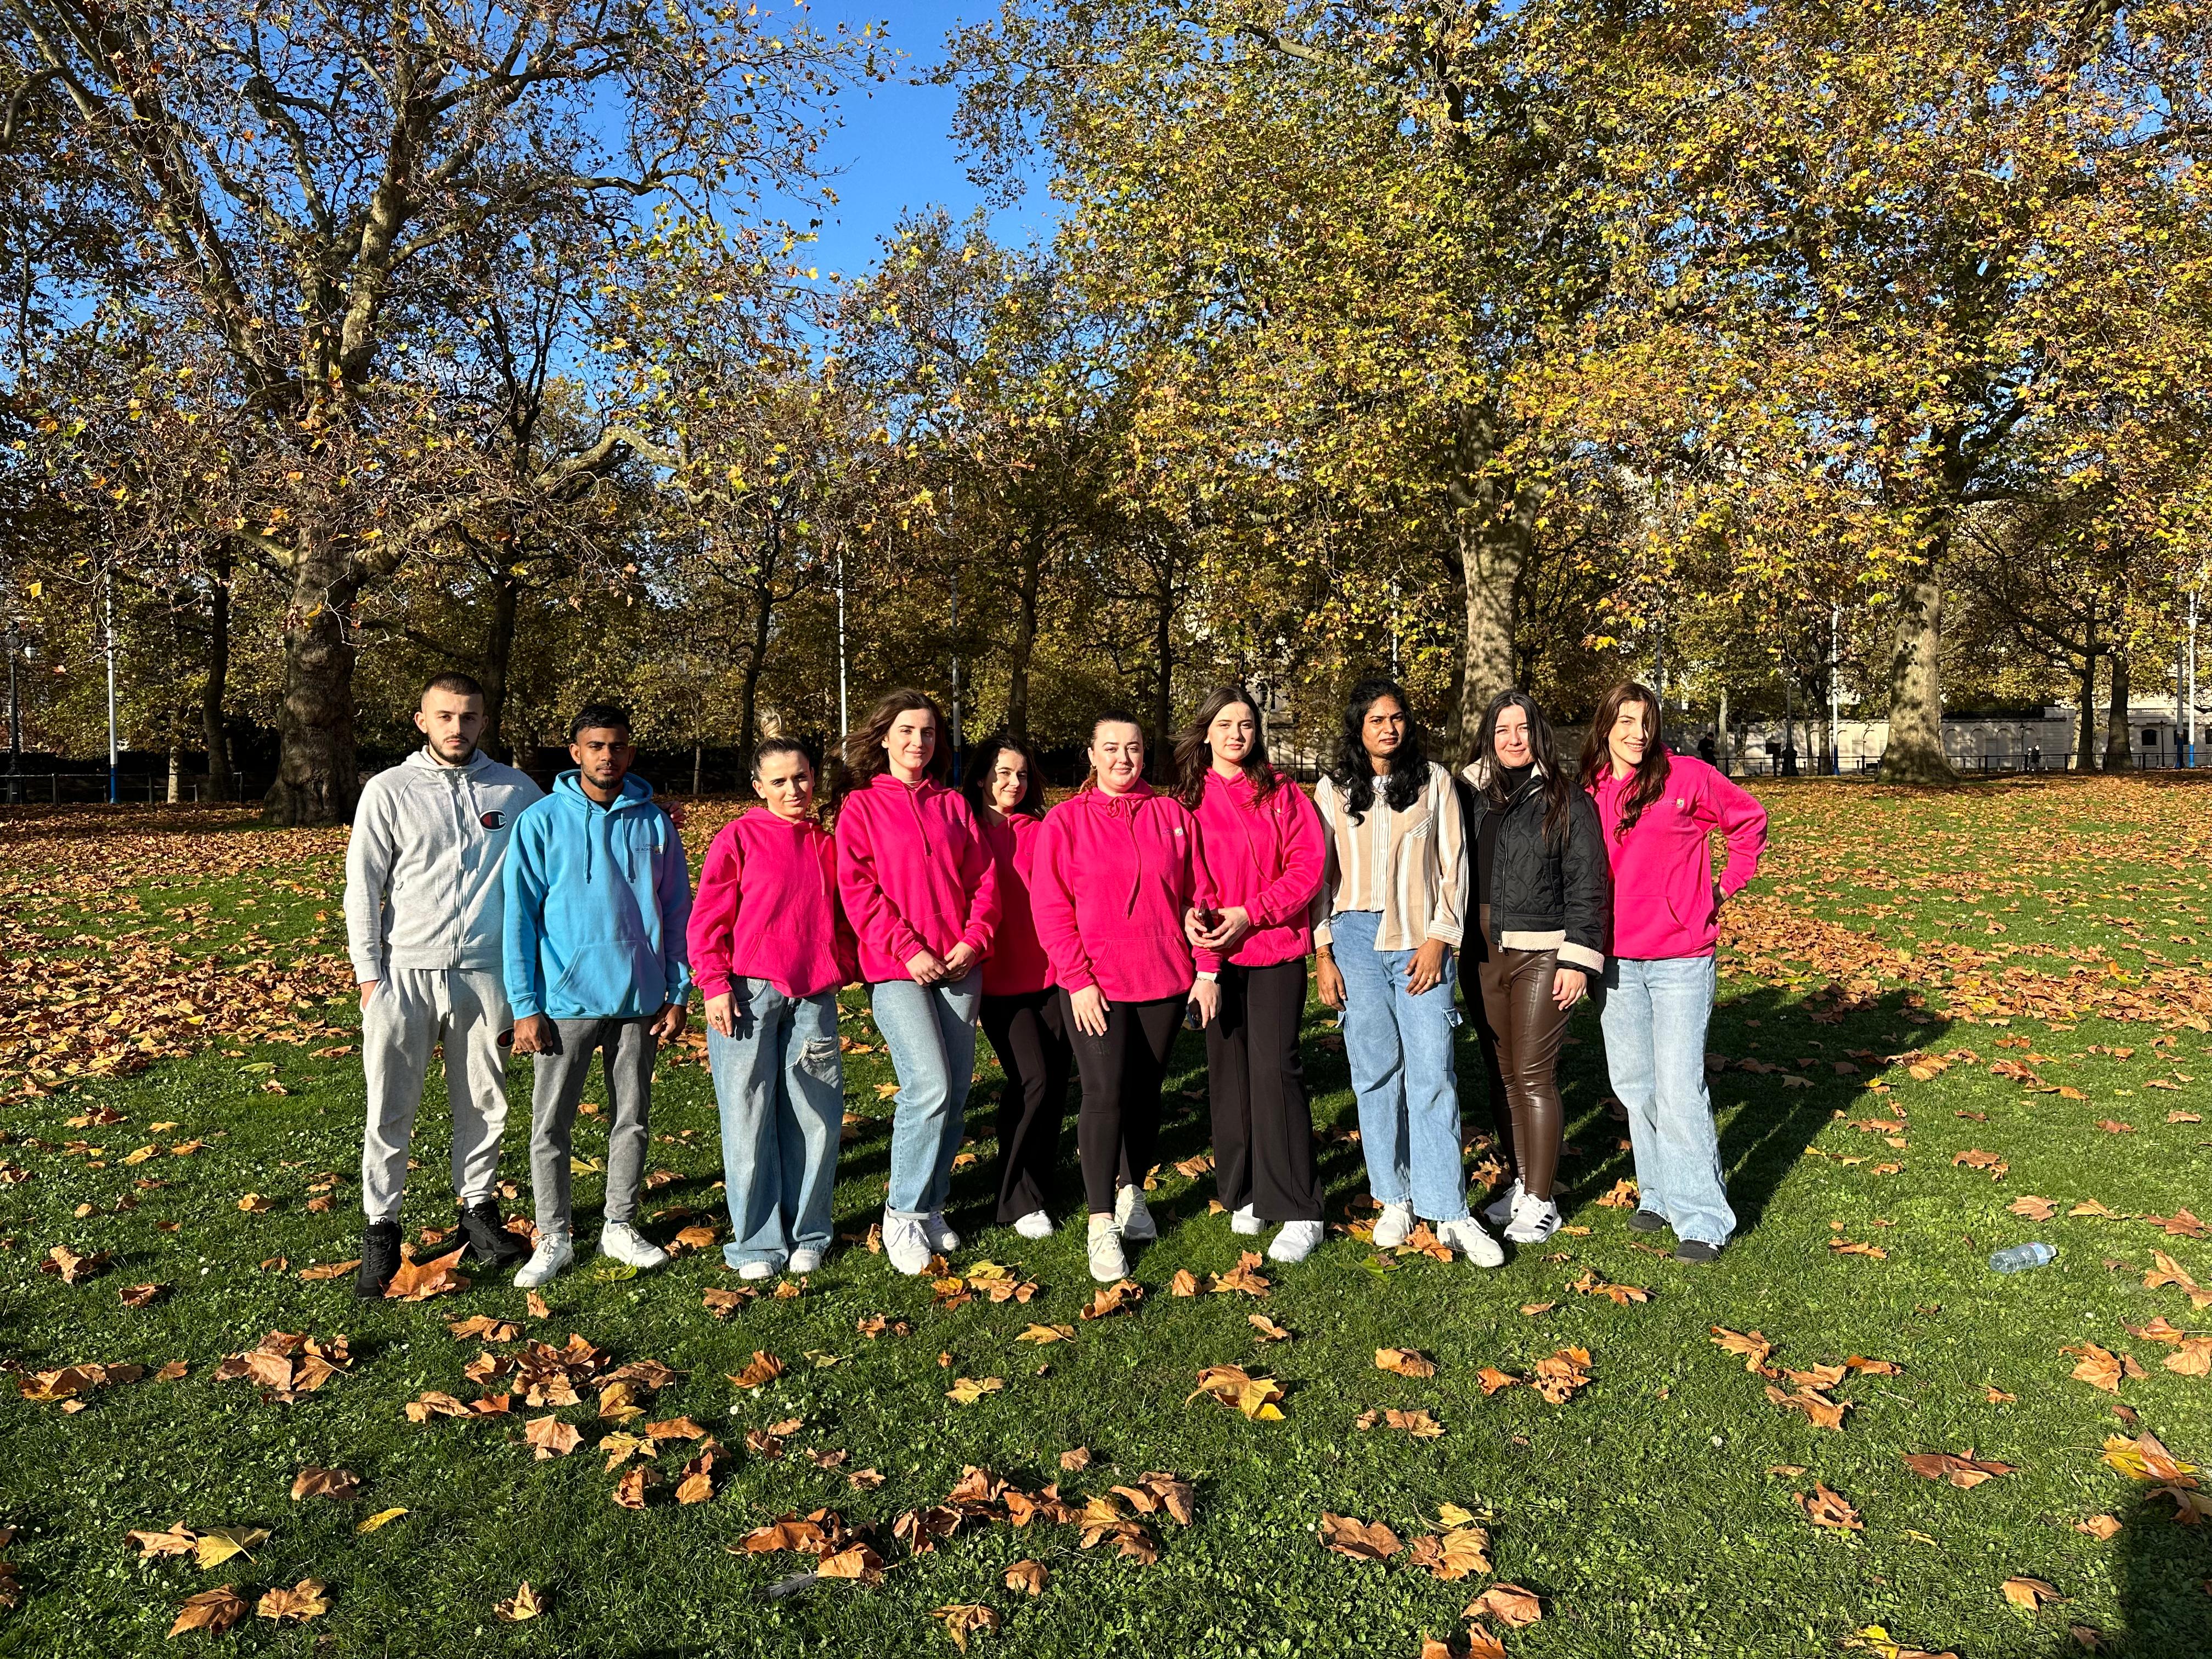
(597, 898)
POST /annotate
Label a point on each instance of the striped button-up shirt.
(1410, 866)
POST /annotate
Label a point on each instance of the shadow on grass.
(2163, 1580)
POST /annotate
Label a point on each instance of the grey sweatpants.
(629, 1049)
(412, 1010)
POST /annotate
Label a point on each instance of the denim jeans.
(778, 1082)
(930, 1031)
(1399, 1049)
(1654, 1014)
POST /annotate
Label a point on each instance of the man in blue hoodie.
(598, 896)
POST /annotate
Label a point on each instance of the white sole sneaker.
(1394, 1226)
(1534, 1220)
(553, 1253)
(905, 1245)
(1133, 1218)
(1245, 1223)
(1038, 1224)
(1107, 1263)
(757, 1270)
(1499, 1210)
(1467, 1236)
(630, 1247)
(939, 1237)
(802, 1261)
(1295, 1242)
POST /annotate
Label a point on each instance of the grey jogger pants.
(412, 1010)
(629, 1049)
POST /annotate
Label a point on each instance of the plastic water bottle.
(2019, 1258)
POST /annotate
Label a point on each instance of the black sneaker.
(379, 1258)
(488, 1239)
(1647, 1221)
(1696, 1249)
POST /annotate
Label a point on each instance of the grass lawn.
(173, 980)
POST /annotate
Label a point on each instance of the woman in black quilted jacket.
(1541, 904)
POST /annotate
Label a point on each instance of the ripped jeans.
(778, 1082)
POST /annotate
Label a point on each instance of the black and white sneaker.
(488, 1239)
(1647, 1221)
(379, 1258)
(1696, 1249)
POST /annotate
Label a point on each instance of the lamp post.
(114, 755)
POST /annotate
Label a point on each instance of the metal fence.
(131, 788)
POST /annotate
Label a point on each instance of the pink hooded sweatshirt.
(1662, 870)
(1268, 856)
(1017, 964)
(915, 873)
(768, 908)
(1112, 878)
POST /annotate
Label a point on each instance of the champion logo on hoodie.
(494, 820)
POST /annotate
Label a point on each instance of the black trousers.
(1119, 1123)
(1262, 1130)
(1029, 1034)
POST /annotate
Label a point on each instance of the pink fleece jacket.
(1268, 856)
(766, 908)
(1112, 878)
(915, 873)
(1662, 869)
(1017, 964)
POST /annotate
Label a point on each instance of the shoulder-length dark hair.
(1650, 772)
(975, 780)
(1558, 788)
(865, 759)
(1194, 754)
(1354, 774)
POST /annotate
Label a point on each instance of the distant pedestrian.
(1706, 750)
(1658, 812)
(770, 947)
(597, 898)
(424, 908)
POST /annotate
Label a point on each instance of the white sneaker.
(1038, 1224)
(629, 1246)
(804, 1260)
(1499, 1210)
(554, 1252)
(940, 1237)
(1534, 1220)
(757, 1270)
(1133, 1219)
(1107, 1264)
(1467, 1234)
(1394, 1226)
(906, 1247)
(1296, 1242)
(1246, 1223)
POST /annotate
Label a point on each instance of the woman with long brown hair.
(1264, 848)
(1657, 812)
(1540, 898)
(922, 894)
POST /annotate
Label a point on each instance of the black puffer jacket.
(1543, 896)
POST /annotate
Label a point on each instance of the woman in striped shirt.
(1385, 925)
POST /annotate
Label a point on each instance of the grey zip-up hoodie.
(423, 886)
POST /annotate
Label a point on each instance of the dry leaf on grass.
(2100, 1368)
(303, 1601)
(1874, 1639)
(1043, 1333)
(764, 1369)
(697, 1484)
(1962, 1469)
(1460, 1554)
(1266, 1329)
(381, 1518)
(1821, 1411)
(213, 1610)
(1823, 1508)
(1560, 1377)
(2029, 1593)
(1620, 1295)
(340, 1484)
(2101, 1528)
(523, 1604)
(1404, 1362)
(969, 1390)
(1027, 1576)
(1481, 1644)
(417, 1281)
(857, 1562)
(1509, 1604)
(1232, 1385)
(551, 1437)
(961, 1619)
(1363, 1541)
(1752, 1348)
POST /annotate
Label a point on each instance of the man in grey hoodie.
(425, 912)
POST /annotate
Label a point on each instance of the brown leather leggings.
(1521, 1028)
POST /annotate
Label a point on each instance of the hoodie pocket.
(602, 978)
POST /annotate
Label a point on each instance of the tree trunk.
(1493, 552)
(698, 766)
(498, 660)
(318, 772)
(2119, 737)
(1022, 651)
(756, 664)
(213, 694)
(1164, 692)
(1915, 753)
(2085, 751)
(1723, 745)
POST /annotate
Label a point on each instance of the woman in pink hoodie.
(770, 948)
(922, 893)
(1116, 874)
(1022, 1013)
(1658, 812)
(1266, 853)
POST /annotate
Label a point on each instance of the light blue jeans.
(1399, 1049)
(931, 1033)
(779, 1084)
(1654, 1015)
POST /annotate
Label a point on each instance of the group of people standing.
(1079, 940)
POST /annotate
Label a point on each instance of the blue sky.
(895, 147)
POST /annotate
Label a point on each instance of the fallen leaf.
(551, 1437)
(967, 1390)
(1823, 1508)
(1509, 1604)
(1404, 1362)
(213, 1610)
(303, 1601)
(1821, 1411)
(857, 1562)
(381, 1518)
(1231, 1385)
(2029, 1593)
(765, 1368)
(418, 1281)
(215, 1545)
(338, 1485)
(697, 1484)
(2100, 1527)
(630, 1491)
(1076, 1460)
(964, 1617)
(1027, 1576)
(522, 1604)
(1752, 1348)
(1363, 1541)
(1266, 1329)
(1961, 1470)
(1460, 1554)
(1043, 1333)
